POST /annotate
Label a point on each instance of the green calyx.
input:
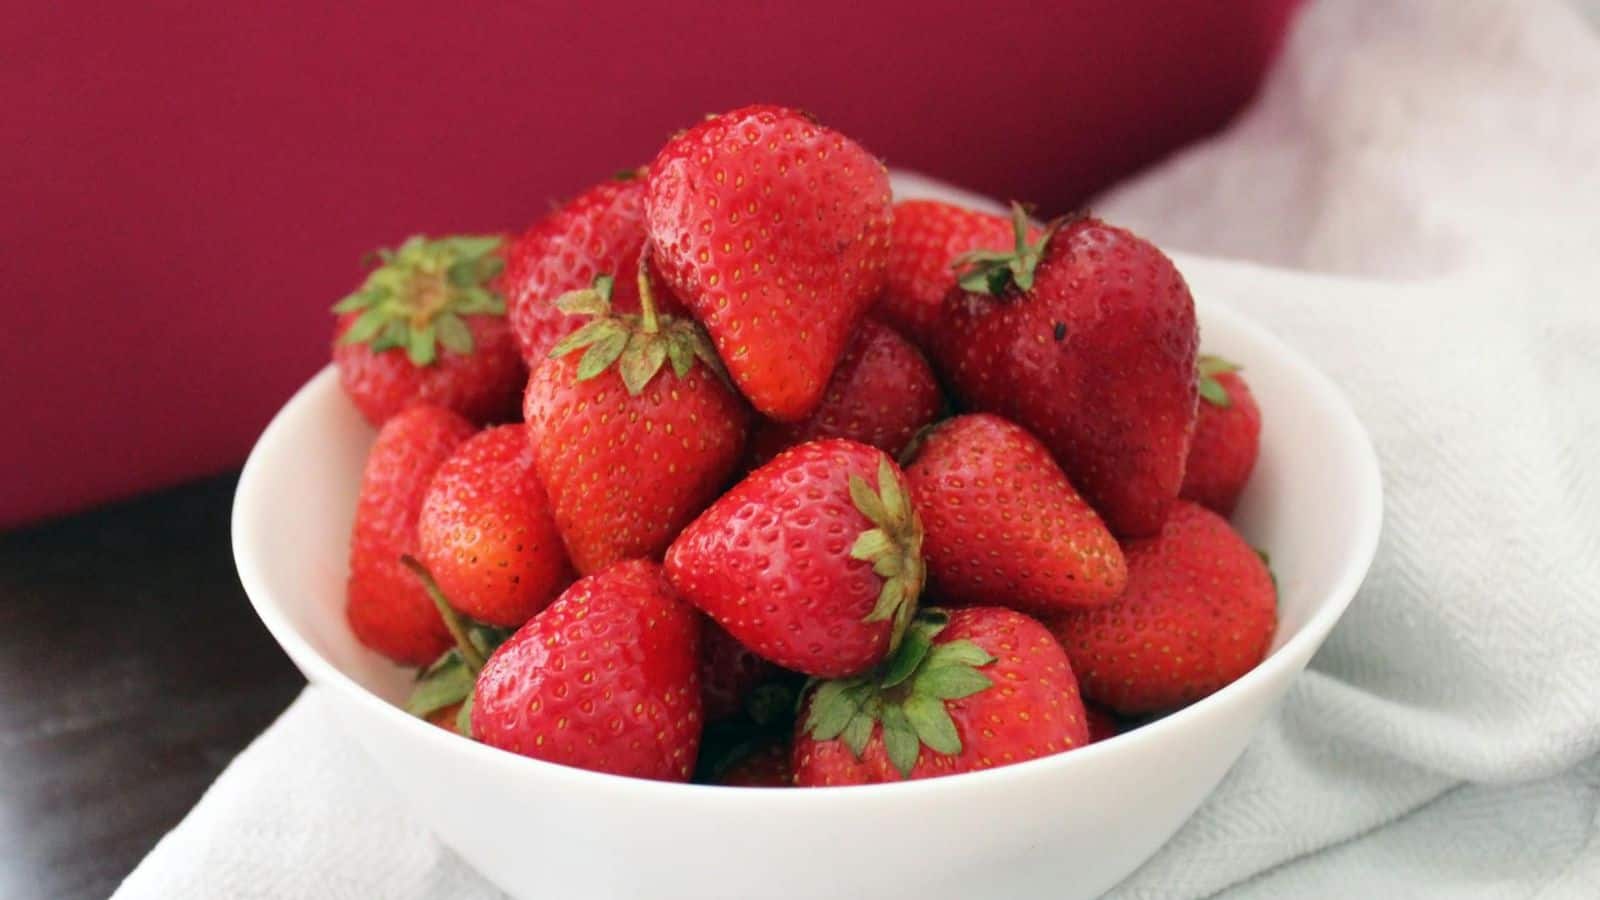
(639, 345)
(1209, 367)
(997, 271)
(418, 295)
(893, 545)
(450, 679)
(906, 696)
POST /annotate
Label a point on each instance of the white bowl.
(1066, 826)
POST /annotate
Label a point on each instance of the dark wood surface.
(132, 669)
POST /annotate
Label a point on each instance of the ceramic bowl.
(1066, 826)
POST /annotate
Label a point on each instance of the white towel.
(1416, 197)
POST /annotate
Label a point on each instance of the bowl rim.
(321, 672)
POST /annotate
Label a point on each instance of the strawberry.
(605, 678)
(427, 326)
(1087, 339)
(1199, 612)
(928, 236)
(387, 608)
(486, 533)
(1102, 724)
(729, 671)
(977, 688)
(599, 232)
(630, 448)
(881, 393)
(774, 230)
(1227, 437)
(805, 562)
(1003, 526)
(764, 765)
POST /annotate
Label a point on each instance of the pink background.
(187, 187)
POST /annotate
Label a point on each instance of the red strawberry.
(630, 448)
(486, 533)
(805, 562)
(1087, 339)
(428, 327)
(775, 232)
(1102, 724)
(929, 236)
(1199, 612)
(1227, 437)
(882, 393)
(729, 671)
(764, 765)
(989, 688)
(600, 232)
(387, 607)
(605, 678)
(1003, 526)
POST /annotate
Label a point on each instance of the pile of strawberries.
(671, 485)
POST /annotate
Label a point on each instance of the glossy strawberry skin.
(1031, 710)
(386, 606)
(774, 231)
(882, 393)
(1097, 361)
(599, 232)
(626, 473)
(1227, 440)
(1199, 611)
(927, 237)
(729, 671)
(486, 533)
(483, 386)
(1002, 524)
(770, 562)
(605, 678)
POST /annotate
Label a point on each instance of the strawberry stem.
(452, 619)
(647, 302)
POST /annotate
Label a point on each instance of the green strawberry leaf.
(638, 345)
(415, 298)
(444, 683)
(453, 333)
(1211, 390)
(464, 717)
(996, 272)
(906, 696)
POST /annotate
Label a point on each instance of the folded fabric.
(1418, 189)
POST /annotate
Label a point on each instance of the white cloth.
(1417, 192)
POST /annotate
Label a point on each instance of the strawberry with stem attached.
(1227, 437)
(807, 561)
(599, 232)
(970, 689)
(634, 436)
(927, 238)
(1086, 337)
(428, 327)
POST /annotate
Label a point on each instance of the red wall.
(188, 186)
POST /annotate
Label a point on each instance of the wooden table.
(132, 669)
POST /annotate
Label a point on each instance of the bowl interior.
(1312, 504)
